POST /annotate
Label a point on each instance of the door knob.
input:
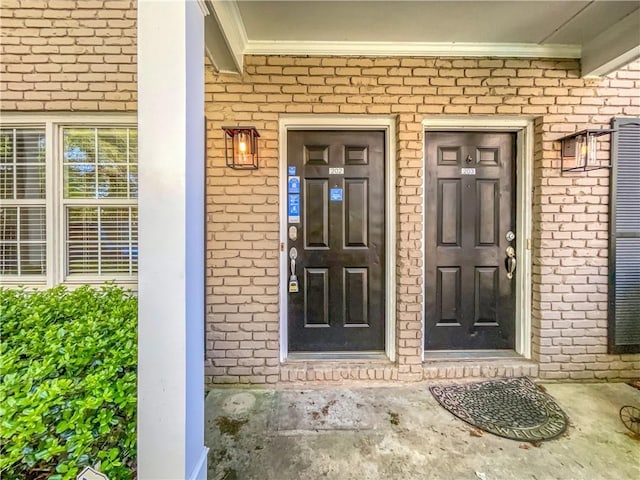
(510, 262)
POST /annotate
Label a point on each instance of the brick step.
(371, 371)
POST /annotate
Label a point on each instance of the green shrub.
(68, 388)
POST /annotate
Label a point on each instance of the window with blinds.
(23, 237)
(100, 190)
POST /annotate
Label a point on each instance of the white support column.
(171, 240)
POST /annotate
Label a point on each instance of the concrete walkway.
(403, 433)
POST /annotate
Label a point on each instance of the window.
(22, 191)
(100, 191)
(68, 192)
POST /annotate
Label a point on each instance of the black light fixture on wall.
(579, 151)
(241, 147)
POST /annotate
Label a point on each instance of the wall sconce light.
(579, 151)
(241, 147)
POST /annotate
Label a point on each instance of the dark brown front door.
(469, 210)
(339, 240)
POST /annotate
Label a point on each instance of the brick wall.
(68, 55)
(570, 213)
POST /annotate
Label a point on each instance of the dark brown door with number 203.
(470, 255)
(336, 241)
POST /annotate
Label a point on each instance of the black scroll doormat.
(510, 407)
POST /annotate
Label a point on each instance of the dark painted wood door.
(340, 243)
(469, 209)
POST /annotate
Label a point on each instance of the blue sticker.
(292, 170)
(336, 195)
(294, 185)
(294, 205)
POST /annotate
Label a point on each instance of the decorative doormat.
(511, 408)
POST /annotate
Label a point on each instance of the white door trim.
(523, 127)
(343, 122)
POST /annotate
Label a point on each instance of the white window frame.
(53, 124)
(28, 279)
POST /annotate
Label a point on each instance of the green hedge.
(68, 388)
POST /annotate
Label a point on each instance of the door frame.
(524, 129)
(342, 122)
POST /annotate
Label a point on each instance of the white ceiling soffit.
(617, 46)
(231, 25)
(216, 47)
(538, 28)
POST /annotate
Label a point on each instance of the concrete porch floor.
(401, 432)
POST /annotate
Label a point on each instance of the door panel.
(356, 212)
(316, 297)
(356, 155)
(316, 155)
(340, 263)
(356, 297)
(316, 218)
(449, 221)
(485, 289)
(469, 208)
(488, 206)
(448, 293)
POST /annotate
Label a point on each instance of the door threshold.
(304, 356)
(439, 355)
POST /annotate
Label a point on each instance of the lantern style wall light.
(579, 151)
(241, 147)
